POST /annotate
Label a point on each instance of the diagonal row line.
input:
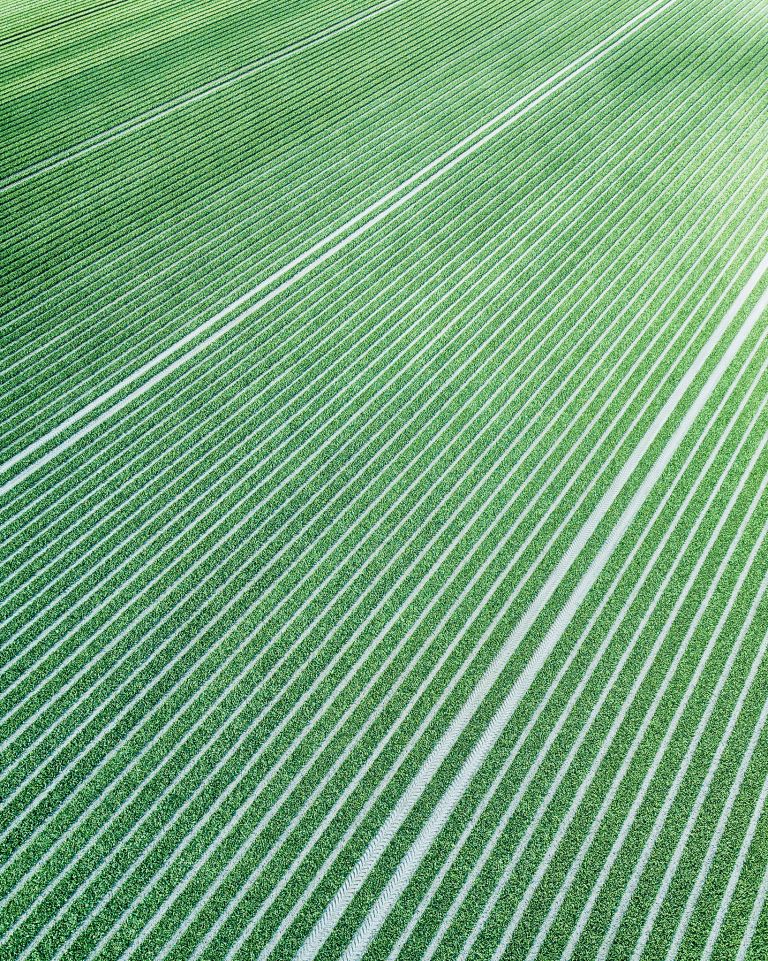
(365, 864)
(672, 726)
(538, 760)
(709, 857)
(202, 92)
(311, 386)
(639, 585)
(288, 244)
(209, 331)
(701, 797)
(372, 799)
(639, 736)
(76, 376)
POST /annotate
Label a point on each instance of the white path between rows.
(190, 346)
(447, 742)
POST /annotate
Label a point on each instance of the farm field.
(384, 480)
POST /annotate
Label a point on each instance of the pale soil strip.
(447, 616)
(586, 727)
(711, 853)
(701, 798)
(87, 146)
(212, 505)
(442, 749)
(64, 771)
(378, 607)
(594, 767)
(304, 264)
(653, 769)
(441, 206)
(623, 202)
(589, 671)
(641, 733)
(709, 947)
(439, 627)
(753, 920)
(190, 214)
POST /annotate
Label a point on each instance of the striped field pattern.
(384, 485)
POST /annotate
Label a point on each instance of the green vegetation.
(384, 548)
